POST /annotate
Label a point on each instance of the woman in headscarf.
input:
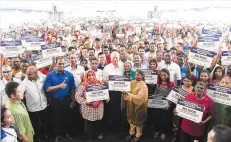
(92, 112)
(137, 101)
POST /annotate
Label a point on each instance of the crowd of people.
(44, 103)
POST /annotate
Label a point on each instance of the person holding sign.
(195, 131)
(217, 75)
(92, 112)
(137, 100)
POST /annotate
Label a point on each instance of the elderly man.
(137, 63)
(220, 133)
(113, 108)
(36, 102)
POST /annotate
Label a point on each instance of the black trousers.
(161, 120)
(112, 112)
(184, 137)
(60, 110)
(41, 123)
(92, 129)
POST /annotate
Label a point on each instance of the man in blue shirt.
(183, 67)
(60, 87)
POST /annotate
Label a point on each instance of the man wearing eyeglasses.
(6, 77)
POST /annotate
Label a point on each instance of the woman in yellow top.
(137, 101)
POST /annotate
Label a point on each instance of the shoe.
(68, 136)
(174, 139)
(129, 137)
(100, 137)
(163, 136)
(135, 139)
(57, 139)
(156, 134)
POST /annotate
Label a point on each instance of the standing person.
(36, 102)
(128, 70)
(24, 65)
(8, 133)
(16, 66)
(94, 67)
(22, 123)
(137, 102)
(60, 86)
(195, 131)
(113, 108)
(102, 60)
(92, 112)
(137, 63)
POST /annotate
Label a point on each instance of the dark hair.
(95, 59)
(9, 58)
(140, 72)
(181, 44)
(158, 45)
(167, 51)
(153, 60)
(220, 68)
(74, 40)
(85, 61)
(3, 110)
(91, 49)
(101, 53)
(10, 88)
(24, 61)
(70, 48)
(222, 133)
(60, 38)
(146, 42)
(168, 80)
(204, 71)
(141, 47)
(105, 46)
(191, 78)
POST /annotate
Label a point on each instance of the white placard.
(157, 103)
(210, 43)
(119, 83)
(150, 76)
(40, 63)
(226, 58)
(33, 42)
(219, 94)
(200, 56)
(51, 50)
(97, 93)
(11, 48)
(190, 110)
(176, 93)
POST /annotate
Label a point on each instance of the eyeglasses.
(6, 72)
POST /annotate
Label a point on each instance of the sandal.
(100, 137)
(156, 134)
(129, 137)
(163, 136)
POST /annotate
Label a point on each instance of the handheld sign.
(210, 43)
(119, 83)
(150, 76)
(11, 48)
(51, 50)
(200, 56)
(226, 58)
(210, 33)
(97, 93)
(219, 94)
(157, 102)
(176, 93)
(40, 63)
(33, 42)
(189, 110)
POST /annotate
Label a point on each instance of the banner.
(176, 94)
(51, 50)
(210, 43)
(200, 56)
(33, 42)
(190, 110)
(226, 58)
(150, 76)
(97, 93)
(40, 63)
(219, 94)
(205, 32)
(157, 102)
(11, 48)
(119, 83)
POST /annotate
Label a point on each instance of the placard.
(176, 93)
(200, 56)
(97, 93)
(226, 58)
(210, 43)
(157, 102)
(150, 76)
(119, 83)
(33, 42)
(190, 110)
(11, 48)
(219, 94)
(40, 63)
(51, 50)
(210, 33)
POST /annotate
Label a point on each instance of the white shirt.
(140, 68)
(99, 75)
(174, 70)
(20, 74)
(34, 93)
(76, 73)
(11, 135)
(110, 69)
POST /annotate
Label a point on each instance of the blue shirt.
(101, 67)
(54, 78)
(184, 72)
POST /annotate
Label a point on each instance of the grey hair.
(201, 83)
(115, 54)
(6, 66)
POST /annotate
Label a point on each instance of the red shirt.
(108, 59)
(191, 127)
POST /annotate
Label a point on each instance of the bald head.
(32, 73)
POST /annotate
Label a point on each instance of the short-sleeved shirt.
(8, 134)
(191, 127)
(54, 78)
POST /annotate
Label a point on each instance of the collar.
(56, 72)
